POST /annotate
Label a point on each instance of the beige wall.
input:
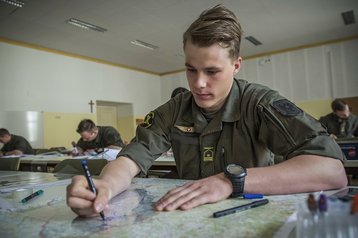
(126, 126)
(60, 128)
(316, 108)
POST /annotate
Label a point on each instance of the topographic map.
(131, 214)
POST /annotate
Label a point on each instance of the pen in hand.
(90, 181)
(240, 208)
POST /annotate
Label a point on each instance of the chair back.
(73, 166)
(11, 164)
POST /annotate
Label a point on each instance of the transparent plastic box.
(336, 222)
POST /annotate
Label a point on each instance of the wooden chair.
(73, 166)
(11, 164)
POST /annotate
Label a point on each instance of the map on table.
(131, 214)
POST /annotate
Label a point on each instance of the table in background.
(47, 163)
(41, 163)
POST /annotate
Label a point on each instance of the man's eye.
(190, 70)
(211, 72)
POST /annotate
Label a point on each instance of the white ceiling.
(278, 24)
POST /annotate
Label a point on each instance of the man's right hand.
(83, 201)
(115, 177)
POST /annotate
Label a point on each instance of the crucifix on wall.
(91, 103)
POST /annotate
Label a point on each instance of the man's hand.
(115, 177)
(83, 201)
(196, 193)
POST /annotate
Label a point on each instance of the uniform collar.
(229, 113)
(231, 110)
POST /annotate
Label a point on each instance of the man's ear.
(237, 65)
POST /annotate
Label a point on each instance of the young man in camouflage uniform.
(221, 121)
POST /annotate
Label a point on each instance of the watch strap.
(238, 186)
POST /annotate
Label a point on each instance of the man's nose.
(201, 80)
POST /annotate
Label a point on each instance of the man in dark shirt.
(340, 123)
(96, 138)
(13, 144)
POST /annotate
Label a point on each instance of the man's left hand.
(192, 194)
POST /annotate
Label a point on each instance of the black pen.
(240, 208)
(90, 181)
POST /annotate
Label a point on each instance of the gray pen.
(240, 208)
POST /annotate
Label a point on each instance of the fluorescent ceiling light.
(14, 2)
(144, 44)
(85, 25)
(253, 40)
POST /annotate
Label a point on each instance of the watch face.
(235, 169)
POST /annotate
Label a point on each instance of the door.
(107, 116)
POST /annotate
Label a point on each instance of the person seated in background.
(178, 90)
(223, 134)
(95, 138)
(14, 144)
(340, 123)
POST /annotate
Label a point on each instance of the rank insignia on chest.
(208, 155)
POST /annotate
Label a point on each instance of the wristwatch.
(236, 174)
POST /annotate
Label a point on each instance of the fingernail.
(99, 207)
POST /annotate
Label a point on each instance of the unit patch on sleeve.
(148, 120)
(286, 108)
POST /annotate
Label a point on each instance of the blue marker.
(90, 181)
(252, 195)
(32, 196)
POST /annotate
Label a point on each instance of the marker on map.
(32, 196)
